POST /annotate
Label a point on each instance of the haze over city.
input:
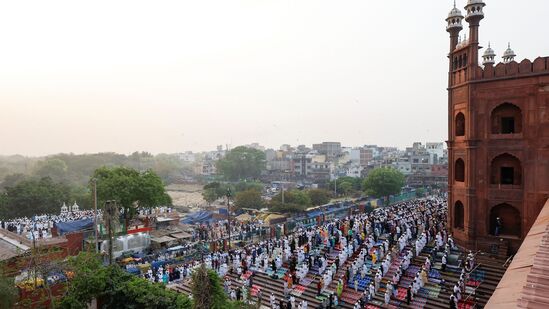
(174, 76)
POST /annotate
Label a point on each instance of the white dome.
(489, 51)
(509, 52)
(455, 12)
(454, 20)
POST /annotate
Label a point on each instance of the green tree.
(347, 185)
(318, 196)
(248, 185)
(384, 181)
(242, 163)
(54, 168)
(31, 197)
(218, 189)
(129, 187)
(115, 288)
(249, 199)
(294, 201)
(8, 291)
(207, 290)
(12, 180)
(168, 167)
(209, 195)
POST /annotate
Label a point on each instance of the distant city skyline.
(125, 76)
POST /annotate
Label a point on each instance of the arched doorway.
(459, 215)
(459, 170)
(506, 119)
(506, 169)
(509, 218)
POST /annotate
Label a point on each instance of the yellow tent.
(244, 217)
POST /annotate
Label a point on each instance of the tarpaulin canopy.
(176, 248)
(244, 217)
(181, 235)
(73, 226)
(162, 239)
(197, 217)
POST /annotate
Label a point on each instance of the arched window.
(505, 220)
(506, 170)
(506, 119)
(459, 170)
(460, 124)
(459, 215)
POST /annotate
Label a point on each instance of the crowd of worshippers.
(385, 237)
(411, 223)
(220, 230)
(40, 226)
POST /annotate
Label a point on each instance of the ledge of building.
(520, 287)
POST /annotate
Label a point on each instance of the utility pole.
(229, 215)
(110, 208)
(94, 181)
(335, 187)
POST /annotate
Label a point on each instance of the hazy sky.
(169, 76)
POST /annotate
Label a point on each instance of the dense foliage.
(115, 288)
(383, 182)
(75, 170)
(217, 190)
(347, 186)
(8, 291)
(318, 196)
(33, 197)
(242, 163)
(249, 199)
(129, 187)
(294, 201)
(206, 289)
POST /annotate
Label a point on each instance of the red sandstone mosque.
(498, 146)
(498, 139)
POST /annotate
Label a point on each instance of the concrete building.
(330, 149)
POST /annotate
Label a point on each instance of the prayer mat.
(418, 302)
(412, 270)
(245, 275)
(435, 274)
(395, 303)
(405, 281)
(254, 290)
(401, 293)
(305, 281)
(466, 305)
(298, 290)
(478, 275)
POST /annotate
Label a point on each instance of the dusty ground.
(186, 195)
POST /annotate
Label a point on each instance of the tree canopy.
(242, 163)
(347, 186)
(127, 186)
(294, 201)
(249, 199)
(115, 288)
(33, 197)
(54, 168)
(8, 292)
(384, 181)
(318, 196)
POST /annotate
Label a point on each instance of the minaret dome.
(489, 56)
